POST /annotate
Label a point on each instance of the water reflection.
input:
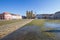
(55, 26)
(52, 25)
(55, 30)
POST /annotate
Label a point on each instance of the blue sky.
(38, 6)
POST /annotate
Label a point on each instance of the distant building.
(39, 16)
(9, 16)
(51, 16)
(44, 16)
(15, 16)
(24, 17)
(57, 15)
(30, 15)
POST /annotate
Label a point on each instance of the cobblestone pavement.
(9, 28)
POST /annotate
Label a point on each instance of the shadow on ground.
(56, 31)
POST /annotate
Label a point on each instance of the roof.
(57, 12)
(14, 14)
(6, 13)
(10, 13)
(45, 14)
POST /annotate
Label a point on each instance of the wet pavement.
(34, 33)
(27, 33)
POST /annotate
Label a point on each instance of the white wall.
(16, 17)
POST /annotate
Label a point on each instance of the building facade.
(38, 16)
(44, 16)
(57, 15)
(9, 16)
(30, 15)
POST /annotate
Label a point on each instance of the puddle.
(52, 25)
(56, 29)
